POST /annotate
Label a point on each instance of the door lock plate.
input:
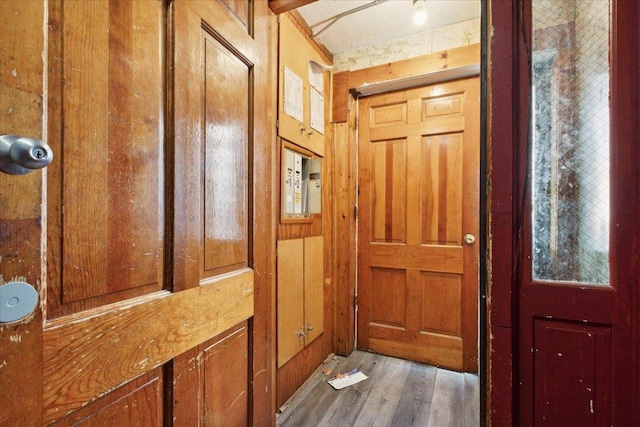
(17, 301)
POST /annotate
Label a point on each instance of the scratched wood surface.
(397, 393)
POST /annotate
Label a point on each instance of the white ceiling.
(384, 21)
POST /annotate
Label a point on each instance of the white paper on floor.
(346, 379)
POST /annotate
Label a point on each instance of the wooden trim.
(347, 81)
(499, 132)
(434, 62)
(71, 360)
(23, 213)
(282, 6)
(299, 22)
(340, 101)
(344, 228)
(263, 326)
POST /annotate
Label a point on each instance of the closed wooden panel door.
(418, 213)
(139, 235)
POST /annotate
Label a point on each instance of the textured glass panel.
(570, 131)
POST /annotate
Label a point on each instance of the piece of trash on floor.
(346, 379)
(326, 372)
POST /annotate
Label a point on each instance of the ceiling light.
(419, 12)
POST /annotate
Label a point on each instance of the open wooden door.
(418, 220)
(140, 237)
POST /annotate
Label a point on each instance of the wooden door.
(418, 198)
(139, 237)
(577, 265)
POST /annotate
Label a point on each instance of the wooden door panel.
(240, 9)
(572, 361)
(449, 105)
(226, 165)
(418, 166)
(441, 308)
(388, 285)
(429, 257)
(389, 175)
(388, 115)
(106, 187)
(441, 189)
(222, 243)
(430, 126)
(226, 380)
(139, 403)
(421, 347)
(213, 385)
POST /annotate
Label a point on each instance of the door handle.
(469, 239)
(20, 154)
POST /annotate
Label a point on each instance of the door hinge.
(355, 212)
(355, 300)
(357, 123)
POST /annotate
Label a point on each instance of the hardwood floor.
(397, 393)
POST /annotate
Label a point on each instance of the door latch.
(20, 155)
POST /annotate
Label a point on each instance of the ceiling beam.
(281, 6)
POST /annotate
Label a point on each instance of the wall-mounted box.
(301, 184)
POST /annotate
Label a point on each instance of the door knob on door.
(469, 239)
(20, 154)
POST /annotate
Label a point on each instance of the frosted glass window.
(570, 140)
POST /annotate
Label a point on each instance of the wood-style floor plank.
(382, 402)
(414, 406)
(471, 399)
(397, 393)
(447, 406)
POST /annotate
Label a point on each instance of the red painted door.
(577, 261)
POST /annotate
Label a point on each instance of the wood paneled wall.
(293, 373)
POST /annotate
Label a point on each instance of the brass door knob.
(469, 239)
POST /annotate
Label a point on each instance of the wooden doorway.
(418, 221)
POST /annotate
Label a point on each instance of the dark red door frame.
(502, 66)
(507, 122)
